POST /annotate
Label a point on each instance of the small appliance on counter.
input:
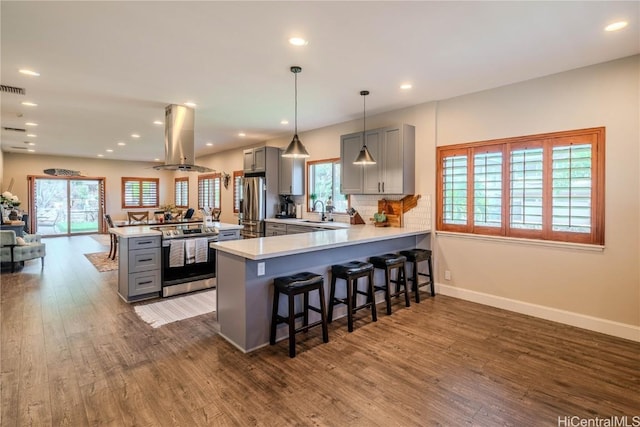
(287, 208)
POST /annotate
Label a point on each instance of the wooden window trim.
(213, 176)
(594, 136)
(140, 205)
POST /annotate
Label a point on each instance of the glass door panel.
(83, 209)
(51, 206)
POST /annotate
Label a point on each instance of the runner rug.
(102, 262)
(177, 308)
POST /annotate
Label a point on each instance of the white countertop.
(276, 246)
(148, 230)
(310, 223)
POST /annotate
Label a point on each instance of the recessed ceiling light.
(109, 150)
(158, 122)
(100, 155)
(284, 122)
(616, 26)
(31, 150)
(298, 41)
(31, 143)
(135, 135)
(190, 104)
(30, 124)
(242, 134)
(406, 86)
(156, 160)
(29, 72)
(29, 104)
(209, 144)
(32, 135)
(122, 143)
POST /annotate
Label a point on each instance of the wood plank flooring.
(72, 353)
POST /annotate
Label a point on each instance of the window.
(548, 187)
(140, 192)
(237, 187)
(182, 192)
(323, 180)
(209, 191)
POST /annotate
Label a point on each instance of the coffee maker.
(287, 207)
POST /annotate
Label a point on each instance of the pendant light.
(364, 157)
(295, 148)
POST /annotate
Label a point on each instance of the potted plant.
(313, 197)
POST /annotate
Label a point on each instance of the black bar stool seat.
(415, 256)
(389, 262)
(350, 273)
(296, 284)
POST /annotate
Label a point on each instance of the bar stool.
(389, 262)
(300, 283)
(350, 273)
(415, 256)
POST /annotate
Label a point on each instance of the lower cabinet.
(139, 267)
(275, 229)
(228, 235)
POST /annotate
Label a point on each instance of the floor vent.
(13, 89)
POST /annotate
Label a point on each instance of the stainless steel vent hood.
(179, 140)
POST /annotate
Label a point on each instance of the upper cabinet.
(291, 177)
(393, 148)
(254, 160)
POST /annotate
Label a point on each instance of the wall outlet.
(261, 269)
(447, 275)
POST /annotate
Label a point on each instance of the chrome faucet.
(322, 215)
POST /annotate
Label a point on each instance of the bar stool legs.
(416, 256)
(350, 273)
(301, 283)
(389, 262)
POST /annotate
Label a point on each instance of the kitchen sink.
(312, 221)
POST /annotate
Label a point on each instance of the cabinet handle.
(145, 243)
(378, 187)
(146, 259)
(383, 187)
(145, 283)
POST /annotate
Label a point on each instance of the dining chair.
(141, 217)
(113, 250)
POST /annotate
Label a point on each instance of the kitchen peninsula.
(246, 269)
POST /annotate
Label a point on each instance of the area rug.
(178, 308)
(102, 262)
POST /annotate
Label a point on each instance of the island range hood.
(179, 140)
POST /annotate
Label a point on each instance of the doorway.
(65, 205)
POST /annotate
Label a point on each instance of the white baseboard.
(617, 329)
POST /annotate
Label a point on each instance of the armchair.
(16, 250)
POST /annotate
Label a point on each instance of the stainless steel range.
(188, 263)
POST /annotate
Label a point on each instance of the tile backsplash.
(420, 216)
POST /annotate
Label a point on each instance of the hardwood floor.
(73, 353)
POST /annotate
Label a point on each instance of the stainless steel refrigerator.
(253, 202)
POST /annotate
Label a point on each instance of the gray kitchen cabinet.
(393, 148)
(275, 229)
(254, 159)
(291, 176)
(139, 268)
(296, 229)
(224, 235)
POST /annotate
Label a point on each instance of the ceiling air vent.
(13, 129)
(13, 89)
(19, 148)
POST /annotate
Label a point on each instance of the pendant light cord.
(296, 104)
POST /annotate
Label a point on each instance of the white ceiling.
(108, 69)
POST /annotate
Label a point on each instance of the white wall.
(595, 289)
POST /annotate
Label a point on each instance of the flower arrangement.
(9, 200)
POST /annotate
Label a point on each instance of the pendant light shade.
(295, 147)
(364, 156)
